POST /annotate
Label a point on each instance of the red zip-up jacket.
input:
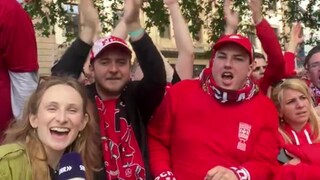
(306, 150)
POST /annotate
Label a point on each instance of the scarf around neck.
(316, 93)
(223, 95)
(121, 152)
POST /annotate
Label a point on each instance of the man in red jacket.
(219, 126)
(266, 72)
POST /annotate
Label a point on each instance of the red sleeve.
(159, 134)
(306, 153)
(18, 42)
(276, 66)
(301, 171)
(264, 162)
(290, 64)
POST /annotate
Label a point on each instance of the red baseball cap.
(106, 42)
(234, 38)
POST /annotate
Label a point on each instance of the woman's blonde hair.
(87, 143)
(300, 86)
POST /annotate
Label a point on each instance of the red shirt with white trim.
(191, 133)
(18, 51)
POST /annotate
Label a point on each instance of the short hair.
(313, 51)
(259, 55)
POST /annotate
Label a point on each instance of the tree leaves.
(206, 14)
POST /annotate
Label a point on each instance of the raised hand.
(184, 63)
(295, 37)
(169, 2)
(89, 14)
(131, 11)
(256, 9)
(295, 34)
(231, 18)
(90, 23)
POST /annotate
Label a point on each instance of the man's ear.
(33, 121)
(91, 68)
(251, 66)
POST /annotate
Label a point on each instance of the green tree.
(199, 13)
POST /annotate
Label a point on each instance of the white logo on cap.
(234, 37)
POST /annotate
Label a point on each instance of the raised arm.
(151, 88)
(231, 17)
(184, 64)
(269, 41)
(71, 63)
(290, 54)
(120, 30)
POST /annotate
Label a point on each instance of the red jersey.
(18, 51)
(191, 133)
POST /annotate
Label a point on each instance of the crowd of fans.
(247, 116)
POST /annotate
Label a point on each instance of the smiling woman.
(57, 119)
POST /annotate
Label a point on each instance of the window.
(165, 33)
(116, 18)
(198, 36)
(276, 31)
(72, 27)
(197, 70)
(300, 55)
(252, 37)
(272, 5)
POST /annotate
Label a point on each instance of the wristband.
(166, 175)
(136, 33)
(241, 173)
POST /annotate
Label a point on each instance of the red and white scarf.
(223, 95)
(121, 152)
(316, 93)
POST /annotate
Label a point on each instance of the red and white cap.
(107, 42)
(234, 38)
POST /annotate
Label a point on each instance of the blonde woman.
(57, 119)
(299, 130)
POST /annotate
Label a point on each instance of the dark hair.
(258, 55)
(313, 51)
